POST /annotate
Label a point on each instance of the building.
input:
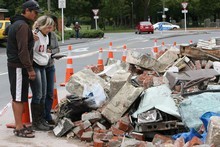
(2, 13)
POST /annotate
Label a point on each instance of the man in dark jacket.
(20, 57)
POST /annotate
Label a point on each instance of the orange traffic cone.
(69, 68)
(110, 52)
(123, 58)
(100, 60)
(174, 44)
(55, 95)
(162, 45)
(155, 48)
(25, 116)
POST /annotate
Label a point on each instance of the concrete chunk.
(63, 127)
(91, 116)
(168, 58)
(121, 102)
(213, 135)
(144, 61)
(117, 81)
(80, 79)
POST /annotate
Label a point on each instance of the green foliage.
(91, 34)
(83, 34)
(123, 13)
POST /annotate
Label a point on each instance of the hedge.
(83, 34)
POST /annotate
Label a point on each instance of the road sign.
(165, 9)
(96, 17)
(95, 11)
(62, 4)
(184, 5)
(184, 11)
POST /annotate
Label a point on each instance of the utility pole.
(48, 5)
(132, 14)
(163, 16)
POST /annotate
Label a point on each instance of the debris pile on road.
(146, 100)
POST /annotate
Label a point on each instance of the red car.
(144, 26)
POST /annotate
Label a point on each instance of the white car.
(165, 26)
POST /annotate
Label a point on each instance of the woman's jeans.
(38, 86)
(50, 74)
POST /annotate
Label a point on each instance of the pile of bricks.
(110, 125)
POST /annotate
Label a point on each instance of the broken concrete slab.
(110, 70)
(145, 61)
(120, 103)
(117, 81)
(168, 58)
(80, 79)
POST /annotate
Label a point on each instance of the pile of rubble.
(146, 100)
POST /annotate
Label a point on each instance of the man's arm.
(23, 51)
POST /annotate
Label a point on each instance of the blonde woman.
(41, 28)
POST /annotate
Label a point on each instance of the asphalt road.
(85, 54)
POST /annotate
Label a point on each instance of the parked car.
(3, 25)
(165, 26)
(144, 26)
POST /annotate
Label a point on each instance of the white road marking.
(4, 110)
(4, 73)
(84, 49)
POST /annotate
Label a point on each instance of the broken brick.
(87, 136)
(123, 125)
(138, 136)
(86, 124)
(116, 131)
(78, 131)
(98, 143)
(161, 139)
(195, 141)
(91, 116)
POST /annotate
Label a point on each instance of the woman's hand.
(35, 36)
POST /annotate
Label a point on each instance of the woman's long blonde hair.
(42, 22)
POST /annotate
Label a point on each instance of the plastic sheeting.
(192, 108)
(158, 97)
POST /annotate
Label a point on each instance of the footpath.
(47, 139)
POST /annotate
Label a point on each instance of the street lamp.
(132, 14)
